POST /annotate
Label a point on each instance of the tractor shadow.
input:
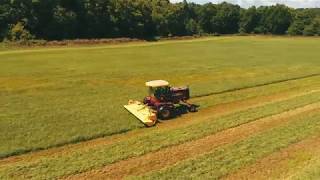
(178, 112)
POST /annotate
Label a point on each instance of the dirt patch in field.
(171, 155)
(281, 164)
(202, 115)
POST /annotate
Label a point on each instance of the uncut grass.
(79, 161)
(51, 98)
(294, 86)
(232, 157)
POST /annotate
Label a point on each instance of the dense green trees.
(274, 19)
(313, 28)
(268, 20)
(306, 22)
(249, 20)
(70, 19)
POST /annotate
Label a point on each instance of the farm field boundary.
(127, 45)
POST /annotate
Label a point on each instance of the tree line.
(71, 19)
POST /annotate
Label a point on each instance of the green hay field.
(51, 97)
(156, 139)
(62, 115)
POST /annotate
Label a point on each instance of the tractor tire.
(193, 108)
(165, 113)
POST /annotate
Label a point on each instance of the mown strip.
(80, 161)
(203, 115)
(287, 89)
(311, 171)
(227, 159)
(290, 87)
(172, 155)
(284, 163)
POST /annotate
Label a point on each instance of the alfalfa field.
(62, 115)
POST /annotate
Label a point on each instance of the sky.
(248, 3)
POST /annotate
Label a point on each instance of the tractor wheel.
(193, 108)
(165, 113)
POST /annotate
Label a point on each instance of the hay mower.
(163, 102)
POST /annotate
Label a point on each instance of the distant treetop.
(74, 19)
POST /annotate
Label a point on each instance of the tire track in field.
(172, 155)
(188, 119)
(277, 165)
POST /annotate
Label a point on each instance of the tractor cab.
(159, 89)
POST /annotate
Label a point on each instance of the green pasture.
(51, 97)
(153, 140)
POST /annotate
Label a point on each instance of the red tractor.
(165, 99)
(163, 102)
